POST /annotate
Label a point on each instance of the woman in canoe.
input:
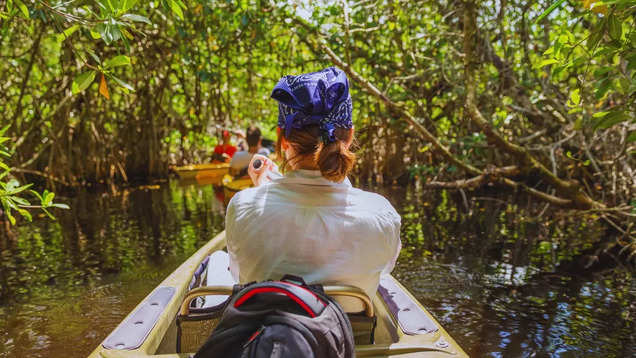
(311, 222)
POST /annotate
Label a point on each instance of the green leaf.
(48, 214)
(547, 62)
(595, 37)
(11, 218)
(95, 35)
(176, 8)
(120, 60)
(123, 84)
(4, 129)
(61, 206)
(127, 5)
(37, 195)
(136, 18)
(611, 119)
(575, 97)
(23, 8)
(48, 198)
(631, 137)
(615, 27)
(25, 214)
(19, 189)
(600, 114)
(82, 81)
(19, 200)
(68, 32)
(549, 10)
(602, 87)
(94, 56)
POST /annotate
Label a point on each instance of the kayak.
(233, 186)
(202, 171)
(167, 324)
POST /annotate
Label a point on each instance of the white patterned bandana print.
(314, 98)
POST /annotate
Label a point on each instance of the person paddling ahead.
(311, 222)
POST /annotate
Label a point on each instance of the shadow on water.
(487, 267)
(507, 282)
(65, 285)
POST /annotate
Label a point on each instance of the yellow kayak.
(203, 171)
(233, 186)
(404, 327)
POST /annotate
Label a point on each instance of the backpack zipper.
(253, 337)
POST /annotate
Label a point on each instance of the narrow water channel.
(503, 282)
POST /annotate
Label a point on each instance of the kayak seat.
(203, 311)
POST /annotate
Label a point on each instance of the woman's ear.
(350, 140)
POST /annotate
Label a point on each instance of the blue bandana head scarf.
(314, 98)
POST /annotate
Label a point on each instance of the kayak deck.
(404, 327)
(233, 186)
(202, 171)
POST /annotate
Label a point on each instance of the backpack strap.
(307, 300)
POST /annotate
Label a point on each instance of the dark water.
(504, 282)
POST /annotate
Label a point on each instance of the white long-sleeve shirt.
(308, 226)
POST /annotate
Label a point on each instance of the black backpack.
(284, 318)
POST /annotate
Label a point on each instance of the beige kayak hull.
(391, 341)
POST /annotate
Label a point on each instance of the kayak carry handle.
(337, 290)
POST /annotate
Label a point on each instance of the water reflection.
(500, 278)
(501, 281)
(65, 285)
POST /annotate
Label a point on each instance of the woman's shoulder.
(372, 202)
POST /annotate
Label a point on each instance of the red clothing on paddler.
(225, 149)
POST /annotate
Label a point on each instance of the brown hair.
(333, 159)
(253, 136)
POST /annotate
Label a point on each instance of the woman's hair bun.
(334, 159)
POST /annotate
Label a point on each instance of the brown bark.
(574, 197)
(569, 189)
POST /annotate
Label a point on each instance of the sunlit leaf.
(68, 32)
(123, 84)
(176, 8)
(48, 198)
(136, 18)
(547, 62)
(37, 195)
(575, 97)
(25, 214)
(82, 81)
(120, 60)
(549, 10)
(19, 200)
(127, 34)
(23, 8)
(48, 213)
(10, 217)
(127, 5)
